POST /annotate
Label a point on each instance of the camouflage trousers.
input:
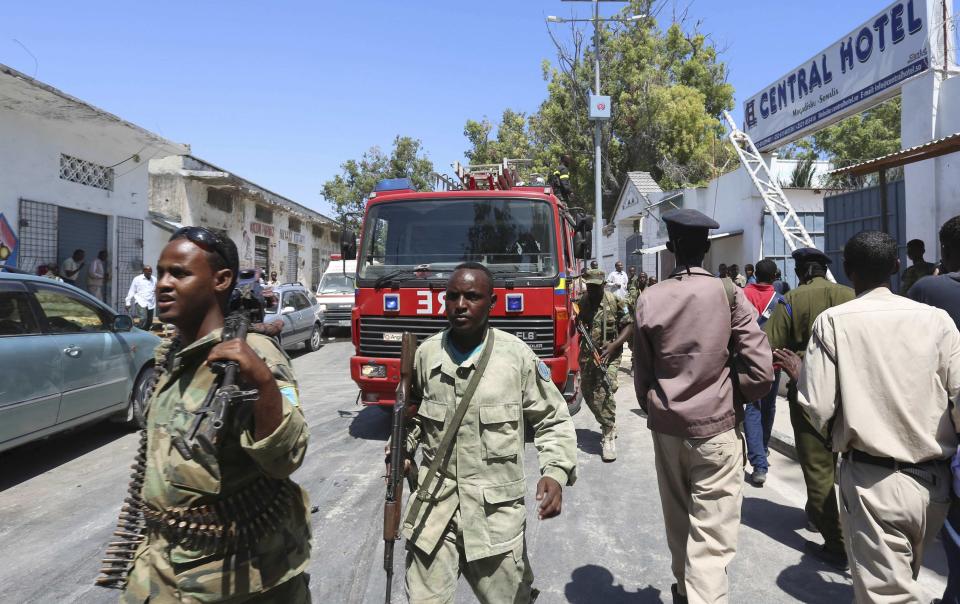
(602, 404)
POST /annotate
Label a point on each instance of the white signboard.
(863, 68)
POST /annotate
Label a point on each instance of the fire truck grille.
(380, 336)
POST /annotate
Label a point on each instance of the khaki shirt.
(484, 477)
(170, 481)
(883, 370)
(684, 329)
(791, 329)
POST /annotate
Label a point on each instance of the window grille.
(294, 224)
(129, 256)
(38, 234)
(263, 214)
(334, 237)
(86, 172)
(220, 199)
(317, 231)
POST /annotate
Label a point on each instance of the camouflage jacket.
(484, 475)
(169, 570)
(604, 323)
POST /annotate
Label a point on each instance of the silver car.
(292, 303)
(66, 359)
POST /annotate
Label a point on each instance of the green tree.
(349, 190)
(862, 137)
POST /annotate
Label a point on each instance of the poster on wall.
(860, 70)
(8, 243)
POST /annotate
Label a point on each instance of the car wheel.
(142, 388)
(316, 339)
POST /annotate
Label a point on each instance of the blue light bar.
(393, 184)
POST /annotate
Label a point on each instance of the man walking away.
(789, 328)
(881, 379)
(780, 285)
(97, 275)
(610, 325)
(143, 297)
(943, 292)
(483, 386)
(70, 271)
(617, 281)
(686, 328)
(758, 415)
(920, 269)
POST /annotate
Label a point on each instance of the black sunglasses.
(203, 237)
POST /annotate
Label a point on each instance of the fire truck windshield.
(511, 236)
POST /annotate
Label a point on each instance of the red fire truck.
(411, 241)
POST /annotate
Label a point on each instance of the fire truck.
(532, 242)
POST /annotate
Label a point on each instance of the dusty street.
(59, 499)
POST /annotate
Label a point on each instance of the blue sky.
(281, 93)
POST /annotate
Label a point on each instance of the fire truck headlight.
(373, 370)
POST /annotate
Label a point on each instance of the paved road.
(59, 498)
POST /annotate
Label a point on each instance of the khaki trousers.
(701, 489)
(888, 519)
(501, 579)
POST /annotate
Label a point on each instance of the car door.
(30, 378)
(292, 317)
(305, 315)
(94, 367)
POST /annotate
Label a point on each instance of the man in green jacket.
(470, 517)
(790, 328)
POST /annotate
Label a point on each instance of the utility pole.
(599, 113)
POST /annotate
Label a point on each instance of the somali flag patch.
(290, 393)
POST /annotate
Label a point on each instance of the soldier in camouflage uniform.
(610, 325)
(259, 547)
(471, 519)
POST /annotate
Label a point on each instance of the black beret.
(810, 254)
(689, 219)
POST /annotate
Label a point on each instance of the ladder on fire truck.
(775, 200)
(487, 177)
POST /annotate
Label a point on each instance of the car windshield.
(511, 236)
(336, 283)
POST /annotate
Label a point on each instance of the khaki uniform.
(169, 567)
(879, 376)
(682, 378)
(474, 522)
(604, 324)
(791, 330)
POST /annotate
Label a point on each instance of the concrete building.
(270, 230)
(747, 232)
(73, 177)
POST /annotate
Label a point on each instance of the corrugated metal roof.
(644, 182)
(935, 148)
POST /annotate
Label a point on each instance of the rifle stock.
(393, 502)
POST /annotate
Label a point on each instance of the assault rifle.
(212, 417)
(594, 351)
(392, 504)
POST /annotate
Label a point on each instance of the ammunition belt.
(131, 526)
(228, 524)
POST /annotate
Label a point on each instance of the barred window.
(317, 231)
(86, 172)
(334, 236)
(294, 224)
(220, 199)
(263, 214)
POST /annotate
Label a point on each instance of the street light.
(598, 189)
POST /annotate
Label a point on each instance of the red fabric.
(759, 295)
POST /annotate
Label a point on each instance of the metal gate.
(293, 261)
(315, 269)
(38, 235)
(261, 253)
(634, 243)
(129, 257)
(848, 213)
(77, 230)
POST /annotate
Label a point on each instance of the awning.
(941, 146)
(660, 248)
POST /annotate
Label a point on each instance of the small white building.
(271, 231)
(747, 232)
(73, 177)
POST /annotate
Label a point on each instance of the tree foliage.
(668, 89)
(348, 191)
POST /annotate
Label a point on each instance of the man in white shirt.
(97, 275)
(143, 296)
(70, 270)
(617, 281)
(878, 378)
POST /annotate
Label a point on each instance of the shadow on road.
(588, 441)
(28, 461)
(369, 423)
(777, 521)
(592, 583)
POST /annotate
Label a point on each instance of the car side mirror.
(582, 246)
(287, 310)
(348, 244)
(122, 323)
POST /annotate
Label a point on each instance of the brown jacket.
(683, 330)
